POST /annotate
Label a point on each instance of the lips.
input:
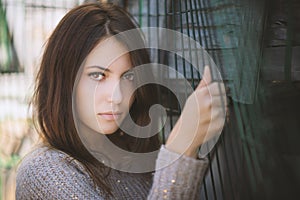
(110, 116)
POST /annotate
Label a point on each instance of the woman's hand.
(202, 118)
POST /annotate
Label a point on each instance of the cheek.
(129, 94)
(84, 99)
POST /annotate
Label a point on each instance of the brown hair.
(72, 40)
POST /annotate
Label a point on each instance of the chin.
(107, 128)
(108, 131)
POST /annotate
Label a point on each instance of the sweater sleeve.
(48, 174)
(177, 176)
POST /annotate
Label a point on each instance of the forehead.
(106, 52)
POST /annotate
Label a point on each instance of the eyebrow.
(99, 67)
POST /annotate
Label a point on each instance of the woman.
(85, 93)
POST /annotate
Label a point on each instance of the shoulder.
(49, 174)
(50, 157)
(44, 159)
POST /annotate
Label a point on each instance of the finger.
(206, 78)
(220, 101)
(216, 89)
(216, 125)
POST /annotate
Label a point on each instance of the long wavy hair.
(80, 30)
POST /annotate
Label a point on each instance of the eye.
(97, 76)
(128, 76)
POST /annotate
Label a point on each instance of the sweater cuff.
(180, 175)
(167, 157)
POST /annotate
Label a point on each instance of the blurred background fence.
(255, 44)
(24, 28)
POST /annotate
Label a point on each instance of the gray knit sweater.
(48, 174)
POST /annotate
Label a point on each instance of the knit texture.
(51, 174)
(177, 176)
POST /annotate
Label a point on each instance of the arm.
(202, 118)
(178, 174)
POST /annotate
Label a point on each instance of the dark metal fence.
(255, 44)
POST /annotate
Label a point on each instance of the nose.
(114, 94)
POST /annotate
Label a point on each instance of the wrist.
(182, 150)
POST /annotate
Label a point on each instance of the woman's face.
(104, 93)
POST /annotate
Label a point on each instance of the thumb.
(206, 78)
